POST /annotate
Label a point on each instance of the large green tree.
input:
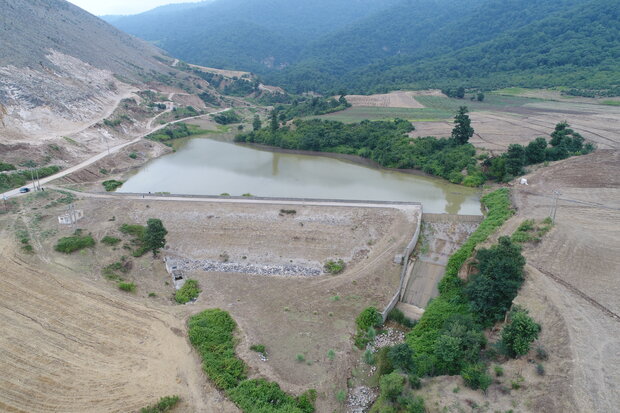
(501, 274)
(155, 235)
(462, 130)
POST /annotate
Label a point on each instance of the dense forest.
(365, 46)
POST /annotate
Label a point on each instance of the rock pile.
(360, 399)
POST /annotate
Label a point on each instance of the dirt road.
(90, 161)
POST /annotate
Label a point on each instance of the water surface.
(211, 167)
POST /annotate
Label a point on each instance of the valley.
(369, 210)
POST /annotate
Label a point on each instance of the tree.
(155, 235)
(401, 357)
(501, 274)
(535, 151)
(462, 130)
(256, 123)
(480, 97)
(460, 92)
(275, 122)
(515, 159)
(520, 333)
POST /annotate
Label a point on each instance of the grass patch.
(530, 231)
(110, 241)
(189, 292)
(164, 404)
(611, 102)
(128, 287)
(74, 243)
(358, 114)
(111, 185)
(212, 334)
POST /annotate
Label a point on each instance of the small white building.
(71, 217)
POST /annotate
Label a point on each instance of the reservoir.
(211, 167)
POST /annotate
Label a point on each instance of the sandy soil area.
(77, 343)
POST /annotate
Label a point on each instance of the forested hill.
(498, 43)
(250, 35)
(328, 46)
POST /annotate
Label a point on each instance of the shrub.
(111, 241)
(133, 155)
(129, 287)
(331, 354)
(540, 369)
(74, 243)
(260, 395)
(188, 292)
(382, 361)
(334, 267)
(475, 376)
(391, 385)
(399, 317)
(300, 358)
(369, 317)
(414, 381)
(369, 357)
(499, 371)
(259, 348)
(163, 405)
(541, 353)
(211, 332)
(111, 185)
(341, 396)
(519, 334)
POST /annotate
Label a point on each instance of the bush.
(129, 287)
(111, 241)
(391, 385)
(111, 185)
(369, 317)
(163, 405)
(475, 376)
(188, 292)
(398, 316)
(259, 348)
(335, 267)
(540, 369)
(369, 357)
(499, 371)
(74, 243)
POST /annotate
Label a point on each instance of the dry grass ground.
(497, 129)
(75, 342)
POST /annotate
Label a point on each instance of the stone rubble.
(254, 269)
(360, 399)
(390, 337)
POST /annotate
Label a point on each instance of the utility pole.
(554, 207)
(32, 179)
(38, 181)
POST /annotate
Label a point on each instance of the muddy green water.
(210, 167)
